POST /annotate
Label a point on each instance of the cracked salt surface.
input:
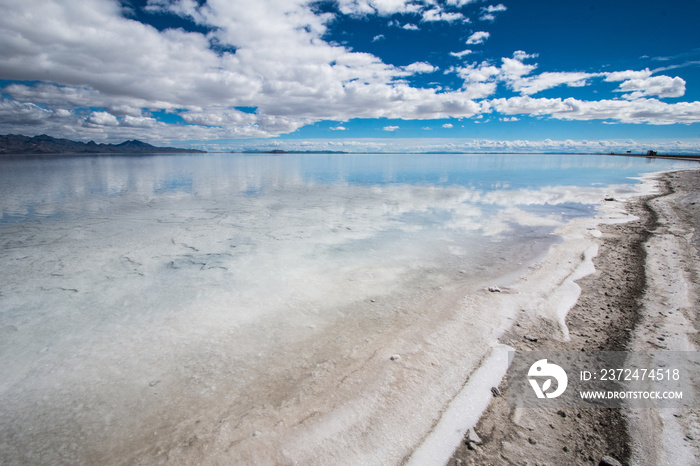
(258, 308)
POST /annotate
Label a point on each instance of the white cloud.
(548, 80)
(628, 74)
(460, 3)
(337, 128)
(102, 119)
(448, 125)
(437, 14)
(410, 27)
(88, 55)
(487, 13)
(390, 128)
(378, 38)
(380, 7)
(661, 86)
(479, 37)
(636, 111)
(513, 69)
(22, 113)
(461, 54)
(494, 8)
(139, 122)
(522, 56)
(420, 67)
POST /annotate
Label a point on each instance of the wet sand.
(644, 295)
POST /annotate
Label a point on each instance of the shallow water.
(185, 307)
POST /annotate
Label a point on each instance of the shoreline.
(617, 302)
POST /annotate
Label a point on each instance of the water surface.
(146, 302)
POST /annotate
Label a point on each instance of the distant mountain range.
(18, 144)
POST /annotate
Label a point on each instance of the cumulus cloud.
(636, 111)
(410, 27)
(22, 113)
(379, 7)
(390, 128)
(661, 86)
(102, 119)
(89, 55)
(479, 37)
(448, 125)
(420, 67)
(436, 14)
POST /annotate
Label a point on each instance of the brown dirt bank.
(611, 305)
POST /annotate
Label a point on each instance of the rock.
(494, 289)
(561, 413)
(609, 199)
(532, 441)
(472, 437)
(531, 338)
(471, 445)
(495, 391)
(609, 461)
(154, 383)
(395, 357)
(566, 449)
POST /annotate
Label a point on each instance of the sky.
(355, 75)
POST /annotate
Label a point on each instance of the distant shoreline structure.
(19, 145)
(286, 152)
(14, 144)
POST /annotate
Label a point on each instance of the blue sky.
(358, 75)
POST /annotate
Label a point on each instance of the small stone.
(660, 338)
(609, 199)
(561, 413)
(609, 461)
(495, 391)
(471, 446)
(257, 433)
(154, 383)
(531, 338)
(494, 289)
(532, 441)
(690, 437)
(472, 437)
(395, 357)
(566, 449)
